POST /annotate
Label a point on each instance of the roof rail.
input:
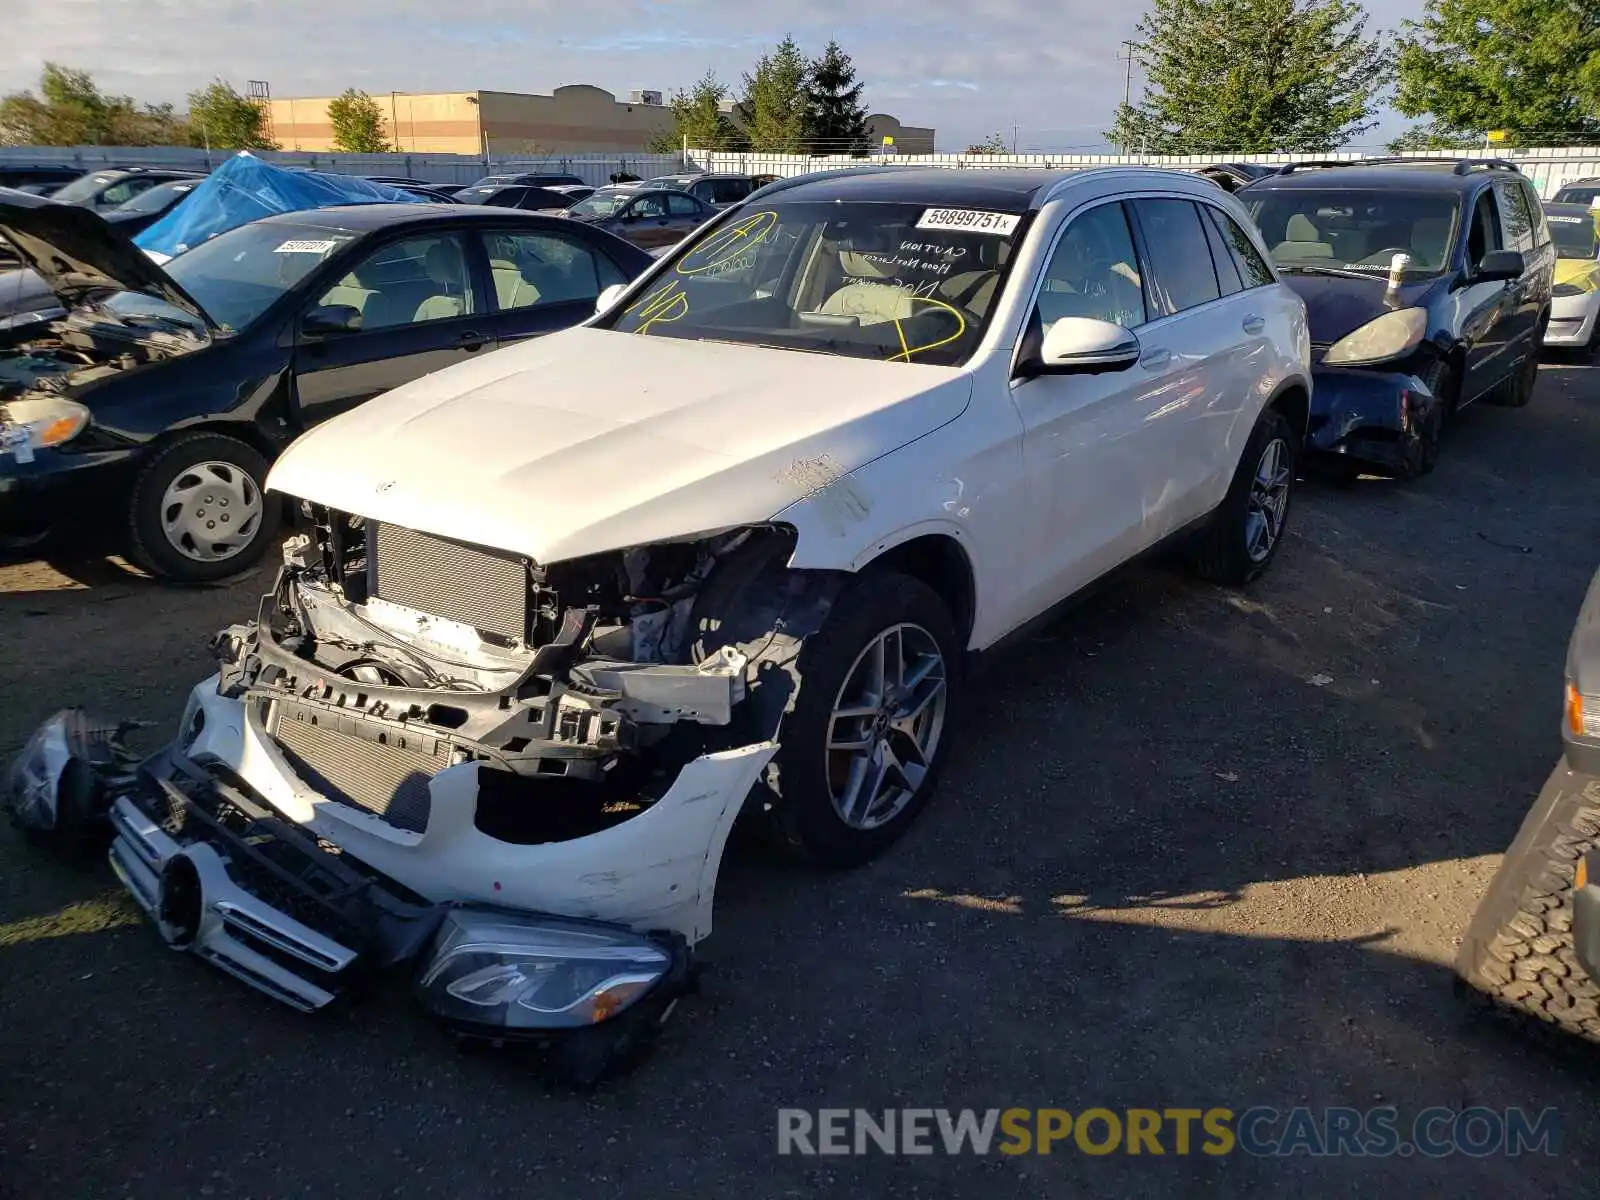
(1463, 166)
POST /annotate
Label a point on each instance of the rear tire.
(1518, 390)
(1517, 955)
(172, 502)
(1248, 526)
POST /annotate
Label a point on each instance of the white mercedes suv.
(567, 610)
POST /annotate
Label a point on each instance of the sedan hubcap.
(211, 511)
(1269, 500)
(886, 724)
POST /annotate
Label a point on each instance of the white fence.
(433, 168)
(1548, 168)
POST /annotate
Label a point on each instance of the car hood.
(589, 440)
(1337, 305)
(78, 255)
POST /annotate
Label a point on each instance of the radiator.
(486, 589)
(388, 779)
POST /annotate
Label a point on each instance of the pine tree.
(838, 120)
(1252, 76)
(774, 109)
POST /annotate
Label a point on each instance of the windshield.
(156, 199)
(1575, 236)
(237, 275)
(84, 187)
(493, 181)
(1578, 195)
(1358, 231)
(897, 282)
(601, 204)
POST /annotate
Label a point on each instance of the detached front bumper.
(1366, 417)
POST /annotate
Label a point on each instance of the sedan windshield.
(1356, 231)
(237, 275)
(1585, 194)
(601, 204)
(156, 199)
(896, 282)
(1575, 237)
(84, 187)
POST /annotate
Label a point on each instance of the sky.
(1049, 68)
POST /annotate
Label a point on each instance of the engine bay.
(80, 348)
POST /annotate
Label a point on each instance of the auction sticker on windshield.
(969, 220)
(307, 246)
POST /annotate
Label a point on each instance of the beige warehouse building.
(576, 118)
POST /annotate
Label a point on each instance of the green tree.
(698, 119)
(357, 124)
(993, 144)
(71, 110)
(1252, 76)
(1529, 67)
(223, 119)
(775, 108)
(835, 116)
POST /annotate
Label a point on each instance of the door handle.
(1254, 325)
(471, 340)
(1154, 360)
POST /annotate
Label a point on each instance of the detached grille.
(486, 589)
(388, 779)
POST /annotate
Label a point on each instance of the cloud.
(1052, 69)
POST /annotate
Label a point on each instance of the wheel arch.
(1293, 401)
(936, 557)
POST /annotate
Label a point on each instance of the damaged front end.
(517, 780)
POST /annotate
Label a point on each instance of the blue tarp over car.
(244, 189)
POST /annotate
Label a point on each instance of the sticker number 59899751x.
(968, 220)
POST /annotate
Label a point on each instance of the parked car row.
(728, 538)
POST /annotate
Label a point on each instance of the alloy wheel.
(885, 728)
(1269, 500)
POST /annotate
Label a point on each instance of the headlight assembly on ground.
(530, 974)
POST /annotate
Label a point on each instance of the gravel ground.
(1195, 849)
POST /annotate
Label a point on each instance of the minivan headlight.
(46, 420)
(1389, 336)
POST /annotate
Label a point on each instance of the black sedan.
(1427, 286)
(517, 195)
(149, 206)
(153, 408)
(105, 190)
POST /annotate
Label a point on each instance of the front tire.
(868, 722)
(199, 512)
(1248, 526)
(1517, 955)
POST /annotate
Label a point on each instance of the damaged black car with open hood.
(145, 409)
(1427, 286)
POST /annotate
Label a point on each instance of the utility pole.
(1014, 139)
(1127, 85)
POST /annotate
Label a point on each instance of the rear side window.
(1221, 258)
(1541, 227)
(1253, 270)
(1516, 223)
(682, 205)
(728, 191)
(1179, 256)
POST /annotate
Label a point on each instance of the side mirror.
(330, 320)
(608, 297)
(1083, 344)
(1500, 264)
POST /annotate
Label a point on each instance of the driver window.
(1094, 272)
(413, 280)
(1485, 235)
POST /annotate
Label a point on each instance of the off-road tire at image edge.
(798, 814)
(148, 544)
(1221, 554)
(1517, 956)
